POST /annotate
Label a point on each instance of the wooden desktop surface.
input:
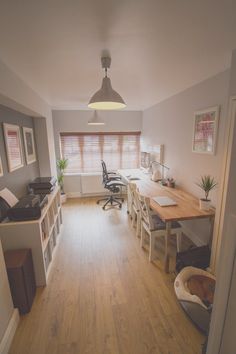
(187, 207)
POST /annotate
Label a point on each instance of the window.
(85, 151)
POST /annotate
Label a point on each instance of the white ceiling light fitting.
(106, 98)
(95, 120)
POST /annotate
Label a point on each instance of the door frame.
(224, 251)
(223, 186)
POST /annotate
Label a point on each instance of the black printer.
(28, 208)
(42, 185)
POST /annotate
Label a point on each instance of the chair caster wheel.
(120, 206)
(103, 208)
(122, 200)
(97, 202)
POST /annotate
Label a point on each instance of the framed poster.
(145, 159)
(205, 130)
(29, 145)
(158, 153)
(1, 170)
(13, 146)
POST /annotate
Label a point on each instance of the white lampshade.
(106, 98)
(95, 120)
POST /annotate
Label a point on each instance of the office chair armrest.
(113, 175)
(114, 183)
(113, 179)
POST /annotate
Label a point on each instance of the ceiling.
(158, 47)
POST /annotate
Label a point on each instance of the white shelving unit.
(40, 235)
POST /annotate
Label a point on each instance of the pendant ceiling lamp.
(95, 120)
(106, 98)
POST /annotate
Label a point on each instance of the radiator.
(91, 184)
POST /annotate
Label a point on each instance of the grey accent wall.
(17, 180)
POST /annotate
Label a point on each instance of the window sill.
(83, 174)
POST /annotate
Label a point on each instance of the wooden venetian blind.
(85, 151)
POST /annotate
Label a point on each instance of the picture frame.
(1, 169)
(205, 130)
(30, 154)
(153, 153)
(12, 136)
(158, 153)
(145, 159)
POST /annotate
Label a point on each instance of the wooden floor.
(103, 295)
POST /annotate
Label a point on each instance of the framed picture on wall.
(13, 146)
(29, 145)
(205, 130)
(158, 153)
(1, 169)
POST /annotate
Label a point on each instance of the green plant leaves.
(61, 165)
(207, 183)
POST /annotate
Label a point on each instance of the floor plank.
(103, 296)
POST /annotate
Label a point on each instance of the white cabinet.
(39, 235)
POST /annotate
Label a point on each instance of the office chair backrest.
(105, 176)
(104, 167)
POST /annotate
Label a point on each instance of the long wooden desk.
(187, 207)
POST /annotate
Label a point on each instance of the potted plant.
(61, 166)
(171, 182)
(207, 183)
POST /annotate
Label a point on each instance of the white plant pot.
(204, 204)
(63, 198)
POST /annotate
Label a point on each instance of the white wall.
(77, 121)
(171, 123)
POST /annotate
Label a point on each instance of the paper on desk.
(9, 197)
(164, 201)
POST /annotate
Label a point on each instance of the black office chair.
(112, 182)
(111, 175)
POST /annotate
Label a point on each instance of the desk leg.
(128, 201)
(212, 222)
(167, 239)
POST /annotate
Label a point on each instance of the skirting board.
(9, 333)
(79, 195)
(73, 195)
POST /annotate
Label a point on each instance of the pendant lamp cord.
(105, 72)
